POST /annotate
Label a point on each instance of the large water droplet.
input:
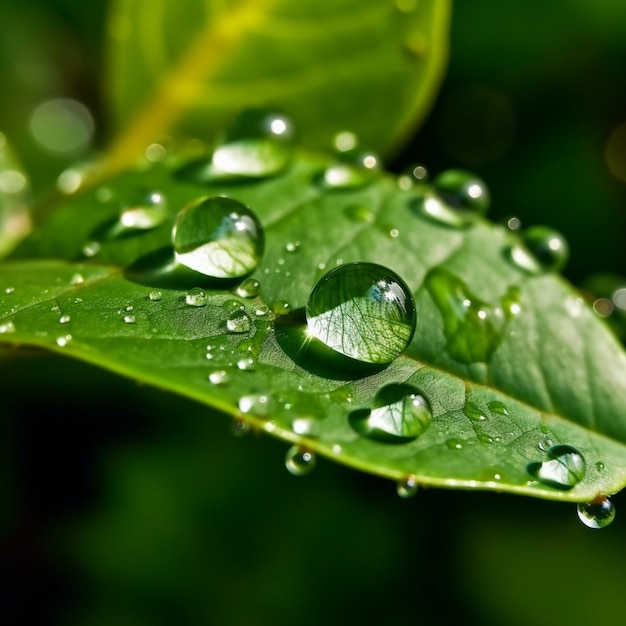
(218, 237)
(259, 143)
(400, 414)
(363, 311)
(597, 514)
(564, 469)
(540, 249)
(148, 211)
(472, 328)
(299, 461)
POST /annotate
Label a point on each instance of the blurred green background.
(124, 505)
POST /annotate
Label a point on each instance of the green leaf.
(15, 221)
(510, 383)
(369, 67)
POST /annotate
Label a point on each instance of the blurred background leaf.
(372, 67)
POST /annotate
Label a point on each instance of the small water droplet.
(363, 311)
(249, 288)
(292, 246)
(155, 295)
(65, 319)
(407, 487)
(240, 428)
(473, 412)
(345, 141)
(540, 249)
(219, 377)
(63, 340)
(458, 198)
(498, 408)
(218, 237)
(400, 414)
(129, 319)
(299, 461)
(564, 469)
(358, 213)
(155, 152)
(412, 175)
(354, 169)
(7, 327)
(455, 444)
(9, 290)
(255, 404)
(91, 248)
(600, 466)
(306, 426)
(259, 143)
(246, 364)
(196, 297)
(513, 223)
(77, 279)
(281, 307)
(597, 514)
(238, 322)
(148, 211)
(394, 233)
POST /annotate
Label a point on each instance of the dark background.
(125, 505)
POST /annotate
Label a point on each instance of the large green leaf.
(372, 67)
(528, 372)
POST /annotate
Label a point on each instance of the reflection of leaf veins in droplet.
(363, 311)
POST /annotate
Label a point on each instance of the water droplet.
(155, 152)
(497, 407)
(597, 514)
(259, 143)
(246, 364)
(249, 288)
(77, 279)
(400, 414)
(238, 322)
(240, 428)
(155, 295)
(196, 297)
(363, 311)
(254, 404)
(7, 327)
(600, 466)
(148, 211)
(455, 444)
(353, 168)
(281, 307)
(407, 487)
(306, 426)
(91, 248)
(540, 249)
(473, 412)
(129, 319)
(472, 328)
(65, 319)
(299, 461)
(345, 141)
(513, 223)
(564, 469)
(218, 237)
(462, 190)
(411, 176)
(63, 340)
(458, 198)
(219, 377)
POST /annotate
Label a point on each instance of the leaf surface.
(528, 370)
(331, 65)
